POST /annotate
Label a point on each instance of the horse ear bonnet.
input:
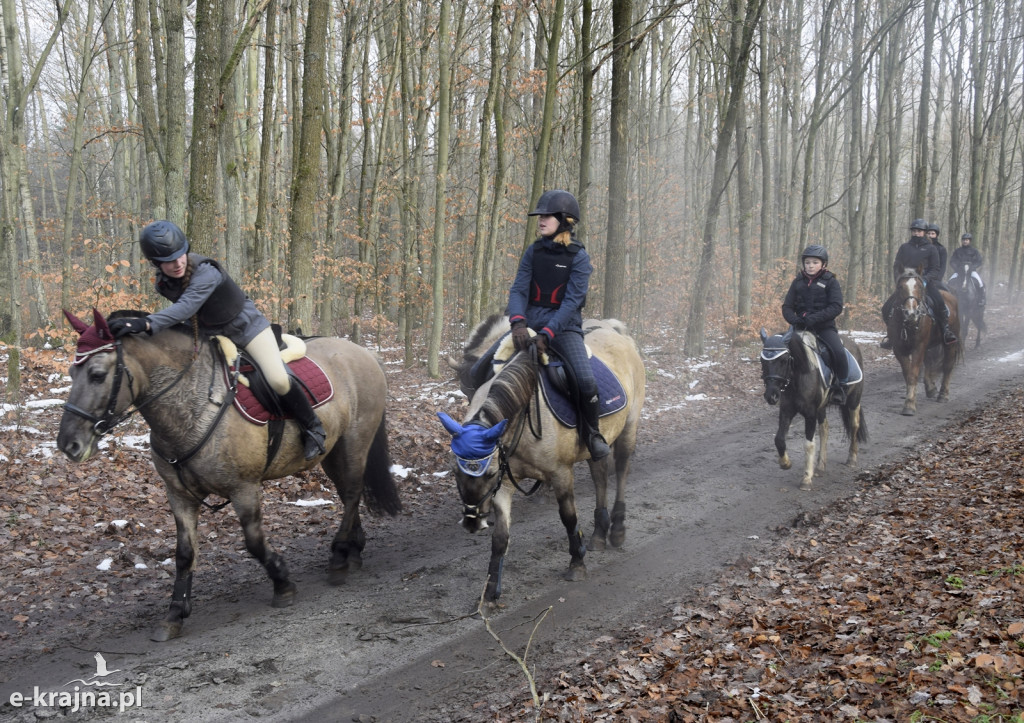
(472, 441)
(91, 338)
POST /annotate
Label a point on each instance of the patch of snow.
(399, 470)
(310, 503)
(105, 565)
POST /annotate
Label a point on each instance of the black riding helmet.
(815, 251)
(966, 237)
(934, 227)
(162, 241)
(918, 224)
(558, 203)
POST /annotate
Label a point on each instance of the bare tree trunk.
(173, 109)
(618, 162)
(441, 188)
(920, 188)
(302, 222)
(743, 19)
(540, 168)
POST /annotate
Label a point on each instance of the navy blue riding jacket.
(550, 288)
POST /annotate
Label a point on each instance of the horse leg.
(785, 419)
(911, 372)
(819, 469)
(602, 521)
(502, 505)
(563, 487)
(810, 429)
(622, 460)
(246, 503)
(186, 520)
(349, 541)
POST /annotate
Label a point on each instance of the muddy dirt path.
(397, 642)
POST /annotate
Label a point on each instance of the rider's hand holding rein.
(132, 325)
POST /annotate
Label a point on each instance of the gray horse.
(202, 445)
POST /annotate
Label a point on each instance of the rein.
(179, 462)
(506, 451)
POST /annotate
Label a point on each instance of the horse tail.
(379, 491)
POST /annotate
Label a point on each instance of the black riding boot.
(592, 433)
(982, 296)
(295, 401)
(948, 337)
(886, 343)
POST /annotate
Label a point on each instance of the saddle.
(823, 356)
(257, 402)
(556, 382)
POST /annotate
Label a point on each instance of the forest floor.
(893, 593)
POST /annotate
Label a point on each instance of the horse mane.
(485, 334)
(510, 390)
(800, 353)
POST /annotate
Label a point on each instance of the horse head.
(776, 364)
(910, 292)
(478, 471)
(479, 343)
(99, 394)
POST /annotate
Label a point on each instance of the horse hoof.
(284, 598)
(165, 631)
(596, 543)
(807, 486)
(908, 412)
(337, 577)
(617, 538)
(575, 573)
(785, 463)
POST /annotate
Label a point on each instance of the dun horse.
(509, 434)
(202, 445)
(917, 341)
(794, 379)
(968, 299)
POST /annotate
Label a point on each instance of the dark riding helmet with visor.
(918, 224)
(560, 204)
(815, 251)
(163, 241)
(934, 227)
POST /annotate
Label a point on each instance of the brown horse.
(917, 340)
(509, 434)
(202, 445)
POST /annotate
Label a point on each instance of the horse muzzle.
(772, 396)
(474, 518)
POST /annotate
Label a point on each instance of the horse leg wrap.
(618, 533)
(277, 570)
(494, 570)
(577, 547)
(601, 522)
(181, 597)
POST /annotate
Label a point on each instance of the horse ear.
(76, 323)
(101, 325)
(764, 335)
(453, 427)
(788, 335)
(494, 433)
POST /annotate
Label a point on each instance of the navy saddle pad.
(609, 391)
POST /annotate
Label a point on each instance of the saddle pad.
(318, 389)
(609, 391)
(856, 373)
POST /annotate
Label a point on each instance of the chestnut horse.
(202, 445)
(917, 340)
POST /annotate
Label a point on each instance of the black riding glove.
(130, 325)
(520, 335)
(541, 340)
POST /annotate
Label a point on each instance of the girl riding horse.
(813, 302)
